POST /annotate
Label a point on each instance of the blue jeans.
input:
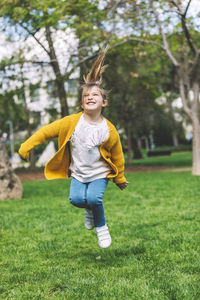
(89, 195)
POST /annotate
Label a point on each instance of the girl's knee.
(93, 199)
(77, 201)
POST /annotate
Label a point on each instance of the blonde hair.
(94, 77)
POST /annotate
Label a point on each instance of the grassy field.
(176, 159)
(46, 253)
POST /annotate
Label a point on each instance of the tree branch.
(188, 36)
(110, 47)
(184, 25)
(187, 7)
(66, 76)
(111, 11)
(21, 62)
(33, 35)
(137, 40)
(165, 42)
(176, 5)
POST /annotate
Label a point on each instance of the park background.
(153, 79)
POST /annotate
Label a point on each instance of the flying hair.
(94, 77)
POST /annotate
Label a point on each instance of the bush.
(158, 153)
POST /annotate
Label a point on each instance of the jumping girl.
(90, 152)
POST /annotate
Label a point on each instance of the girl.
(89, 151)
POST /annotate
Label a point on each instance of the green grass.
(46, 253)
(176, 159)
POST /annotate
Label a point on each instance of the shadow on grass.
(112, 257)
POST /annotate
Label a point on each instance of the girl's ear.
(105, 103)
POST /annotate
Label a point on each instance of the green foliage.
(83, 17)
(47, 253)
(138, 73)
(34, 15)
(164, 125)
(135, 79)
(10, 110)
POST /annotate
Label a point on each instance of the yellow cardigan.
(58, 166)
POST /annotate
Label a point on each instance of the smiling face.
(92, 99)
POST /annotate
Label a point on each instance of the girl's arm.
(47, 132)
(118, 160)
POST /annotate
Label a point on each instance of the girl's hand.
(24, 159)
(24, 155)
(123, 185)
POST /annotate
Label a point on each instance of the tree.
(173, 114)
(188, 72)
(180, 42)
(132, 96)
(42, 21)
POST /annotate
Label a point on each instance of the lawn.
(176, 159)
(46, 253)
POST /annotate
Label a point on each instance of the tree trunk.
(32, 159)
(27, 114)
(62, 97)
(175, 139)
(191, 108)
(196, 130)
(129, 145)
(60, 83)
(196, 147)
(27, 111)
(139, 142)
(136, 149)
(146, 141)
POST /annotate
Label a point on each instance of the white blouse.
(87, 164)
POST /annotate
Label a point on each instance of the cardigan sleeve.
(118, 160)
(47, 132)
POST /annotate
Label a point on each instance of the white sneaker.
(104, 238)
(89, 220)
